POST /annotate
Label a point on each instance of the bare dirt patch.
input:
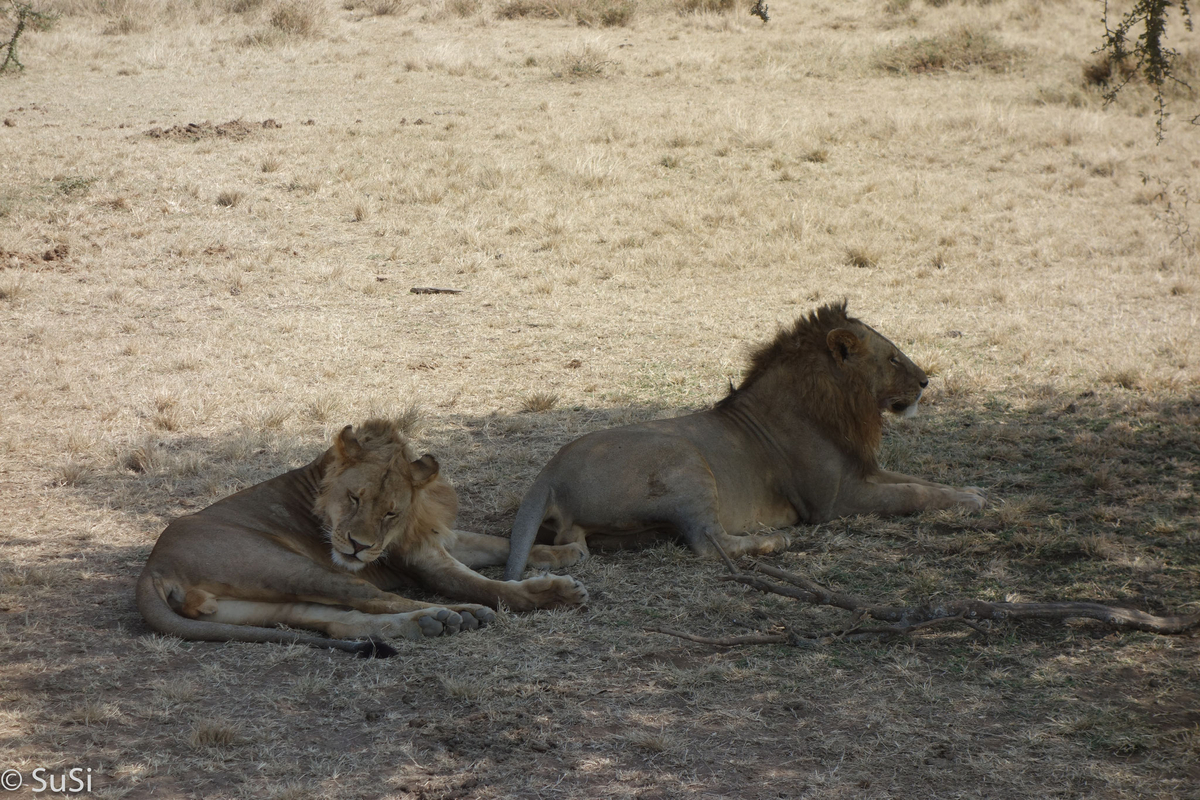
(198, 131)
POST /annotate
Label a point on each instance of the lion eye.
(895, 361)
(353, 498)
(390, 515)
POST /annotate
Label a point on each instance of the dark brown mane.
(795, 374)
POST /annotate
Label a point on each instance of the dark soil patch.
(196, 131)
(54, 257)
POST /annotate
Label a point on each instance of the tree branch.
(907, 620)
(965, 610)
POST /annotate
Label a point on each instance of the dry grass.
(581, 61)
(539, 401)
(626, 209)
(960, 49)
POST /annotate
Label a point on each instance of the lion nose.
(358, 546)
(924, 381)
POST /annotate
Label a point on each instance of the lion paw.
(551, 591)
(475, 617)
(438, 622)
(576, 594)
(778, 542)
(557, 556)
(970, 500)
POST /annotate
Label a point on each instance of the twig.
(721, 551)
(725, 641)
(433, 290)
(966, 611)
(907, 620)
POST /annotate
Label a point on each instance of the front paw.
(553, 591)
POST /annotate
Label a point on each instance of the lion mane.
(837, 401)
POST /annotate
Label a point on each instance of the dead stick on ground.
(725, 641)
(721, 551)
(910, 619)
(971, 610)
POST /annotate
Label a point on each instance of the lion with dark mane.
(325, 546)
(796, 442)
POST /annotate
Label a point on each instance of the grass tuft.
(1124, 377)
(709, 6)
(539, 401)
(12, 286)
(299, 18)
(214, 734)
(960, 49)
(230, 198)
(583, 61)
(862, 257)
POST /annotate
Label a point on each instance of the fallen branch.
(433, 290)
(965, 610)
(726, 641)
(907, 620)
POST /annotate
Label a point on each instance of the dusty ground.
(211, 215)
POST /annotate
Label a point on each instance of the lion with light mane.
(325, 546)
(796, 442)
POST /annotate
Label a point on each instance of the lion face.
(368, 498)
(893, 379)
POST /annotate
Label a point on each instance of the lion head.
(375, 496)
(837, 372)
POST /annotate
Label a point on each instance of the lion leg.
(569, 542)
(340, 623)
(700, 526)
(883, 476)
(893, 499)
(292, 578)
(442, 573)
(749, 544)
(477, 550)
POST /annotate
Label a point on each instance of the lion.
(795, 442)
(324, 547)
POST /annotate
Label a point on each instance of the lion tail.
(152, 602)
(525, 527)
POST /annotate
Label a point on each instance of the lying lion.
(796, 442)
(323, 547)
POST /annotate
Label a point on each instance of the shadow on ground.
(1092, 498)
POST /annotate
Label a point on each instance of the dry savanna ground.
(212, 213)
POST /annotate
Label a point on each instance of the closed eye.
(353, 498)
(895, 361)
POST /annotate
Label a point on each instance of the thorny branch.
(25, 15)
(1155, 61)
(907, 620)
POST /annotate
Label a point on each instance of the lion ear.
(424, 469)
(843, 344)
(347, 446)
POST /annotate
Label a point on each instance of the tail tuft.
(375, 648)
